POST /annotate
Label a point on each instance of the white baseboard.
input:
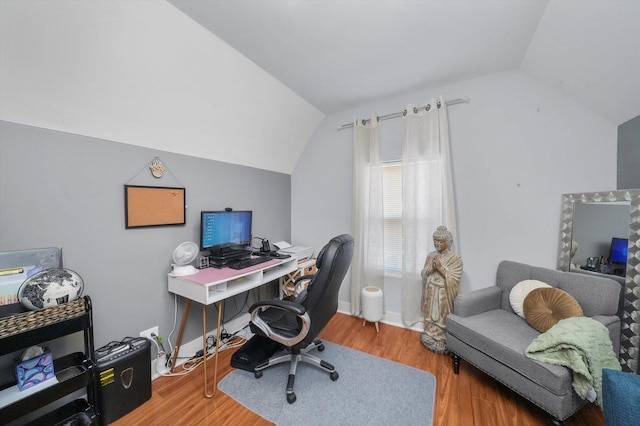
(190, 348)
(195, 345)
(391, 318)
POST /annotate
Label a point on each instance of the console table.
(212, 285)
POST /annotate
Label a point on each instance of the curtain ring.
(428, 107)
(404, 113)
(364, 122)
(439, 104)
(415, 110)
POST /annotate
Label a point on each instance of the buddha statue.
(440, 286)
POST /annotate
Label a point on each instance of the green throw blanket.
(581, 344)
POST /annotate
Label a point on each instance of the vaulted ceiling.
(183, 75)
(342, 54)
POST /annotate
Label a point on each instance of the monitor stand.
(221, 258)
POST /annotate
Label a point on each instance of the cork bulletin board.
(153, 206)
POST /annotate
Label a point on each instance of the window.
(392, 199)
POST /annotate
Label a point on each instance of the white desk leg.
(204, 345)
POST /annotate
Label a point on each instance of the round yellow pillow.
(544, 307)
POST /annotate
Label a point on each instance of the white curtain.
(428, 202)
(367, 267)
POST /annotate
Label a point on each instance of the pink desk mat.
(212, 275)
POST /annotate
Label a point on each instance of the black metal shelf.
(77, 412)
(44, 334)
(74, 371)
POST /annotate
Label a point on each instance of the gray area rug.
(370, 391)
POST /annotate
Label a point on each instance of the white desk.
(213, 285)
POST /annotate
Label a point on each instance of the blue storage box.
(35, 370)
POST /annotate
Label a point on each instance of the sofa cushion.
(504, 336)
(596, 295)
(544, 307)
(520, 291)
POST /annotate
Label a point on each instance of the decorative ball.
(49, 288)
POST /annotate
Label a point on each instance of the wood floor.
(470, 398)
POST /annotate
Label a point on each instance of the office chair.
(295, 322)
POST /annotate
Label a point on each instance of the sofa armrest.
(477, 301)
(612, 322)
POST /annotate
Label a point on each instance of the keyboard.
(241, 264)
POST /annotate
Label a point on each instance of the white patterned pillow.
(520, 291)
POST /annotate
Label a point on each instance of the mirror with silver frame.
(591, 220)
(594, 227)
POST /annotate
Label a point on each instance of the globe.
(49, 288)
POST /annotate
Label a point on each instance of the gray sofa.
(485, 331)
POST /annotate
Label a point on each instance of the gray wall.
(64, 190)
(628, 154)
(509, 150)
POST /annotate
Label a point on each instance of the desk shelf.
(212, 285)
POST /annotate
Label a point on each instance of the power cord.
(160, 347)
(175, 320)
(227, 341)
(167, 355)
(262, 240)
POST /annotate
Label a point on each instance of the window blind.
(392, 199)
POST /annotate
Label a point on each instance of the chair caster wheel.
(257, 374)
(334, 376)
(321, 347)
(291, 398)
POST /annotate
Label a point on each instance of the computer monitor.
(223, 231)
(618, 250)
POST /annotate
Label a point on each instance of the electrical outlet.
(147, 333)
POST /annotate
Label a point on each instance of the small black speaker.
(124, 377)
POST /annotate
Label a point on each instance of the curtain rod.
(464, 100)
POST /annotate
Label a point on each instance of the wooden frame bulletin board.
(154, 206)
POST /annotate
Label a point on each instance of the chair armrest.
(303, 278)
(286, 305)
(477, 301)
(300, 289)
